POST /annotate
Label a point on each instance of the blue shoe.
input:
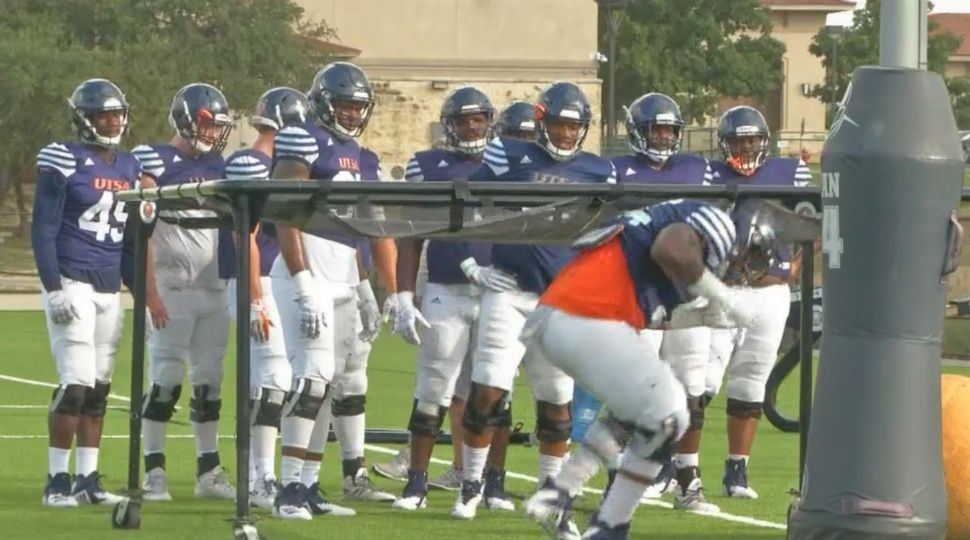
(735, 483)
(415, 495)
(88, 490)
(291, 501)
(57, 494)
(495, 496)
(321, 506)
(599, 530)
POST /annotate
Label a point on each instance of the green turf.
(23, 342)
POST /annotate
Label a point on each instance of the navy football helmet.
(280, 107)
(643, 115)
(465, 101)
(91, 98)
(517, 120)
(743, 136)
(566, 102)
(759, 226)
(200, 115)
(341, 81)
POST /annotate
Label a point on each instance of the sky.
(939, 6)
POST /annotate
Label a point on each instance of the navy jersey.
(327, 157)
(248, 164)
(618, 279)
(444, 258)
(370, 171)
(78, 226)
(182, 257)
(517, 160)
(678, 169)
(775, 172)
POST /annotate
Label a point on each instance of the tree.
(858, 45)
(960, 94)
(150, 48)
(696, 51)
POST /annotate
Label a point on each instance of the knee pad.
(160, 402)
(422, 422)
(268, 408)
(743, 409)
(306, 400)
(696, 406)
(96, 401)
(504, 417)
(549, 428)
(478, 419)
(69, 399)
(349, 406)
(205, 404)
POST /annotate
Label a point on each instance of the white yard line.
(747, 520)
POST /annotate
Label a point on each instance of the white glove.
(689, 314)
(370, 313)
(259, 322)
(310, 305)
(389, 311)
(727, 299)
(61, 307)
(407, 317)
(488, 277)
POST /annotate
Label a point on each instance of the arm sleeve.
(48, 213)
(296, 143)
(803, 175)
(494, 164)
(244, 167)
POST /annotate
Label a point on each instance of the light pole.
(613, 10)
(835, 33)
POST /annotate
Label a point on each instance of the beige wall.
(958, 66)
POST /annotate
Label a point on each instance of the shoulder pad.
(151, 161)
(296, 142)
(246, 165)
(57, 157)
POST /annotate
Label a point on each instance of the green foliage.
(694, 51)
(858, 45)
(150, 48)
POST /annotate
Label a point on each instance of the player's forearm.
(255, 287)
(47, 217)
(385, 261)
(291, 248)
(151, 291)
(408, 260)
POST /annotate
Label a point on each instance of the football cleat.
(88, 490)
(664, 483)
(691, 497)
(468, 499)
(156, 485)
(397, 468)
(449, 480)
(601, 531)
(320, 506)
(415, 494)
(264, 493)
(57, 494)
(359, 488)
(291, 503)
(214, 485)
(494, 495)
(735, 482)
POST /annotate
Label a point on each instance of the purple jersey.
(370, 171)
(678, 169)
(517, 160)
(248, 164)
(327, 157)
(444, 258)
(78, 226)
(775, 172)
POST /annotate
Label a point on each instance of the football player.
(517, 121)
(270, 370)
(185, 295)
(638, 270)
(749, 353)
(319, 279)
(77, 234)
(444, 327)
(512, 285)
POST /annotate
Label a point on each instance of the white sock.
(206, 437)
(738, 457)
(682, 461)
(350, 433)
(153, 436)
(549, 466)
(310, 474)
(577, 470)
(621, 501)
(290, 469)
(85, 460)
(57, 460)
(263, 451)
(474, 462)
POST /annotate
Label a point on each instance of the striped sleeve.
(803, 175)
(295, 142)
(413, 173)
(56, 157)
(496, 158)
(245, 167)
(151, 163)
(715, 227)
(708, 174)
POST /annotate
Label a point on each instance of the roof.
(955, 23)
(828, 6)
(335, 50)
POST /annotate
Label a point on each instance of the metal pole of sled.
(805, 345)
(242, 220)
(902, 34)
